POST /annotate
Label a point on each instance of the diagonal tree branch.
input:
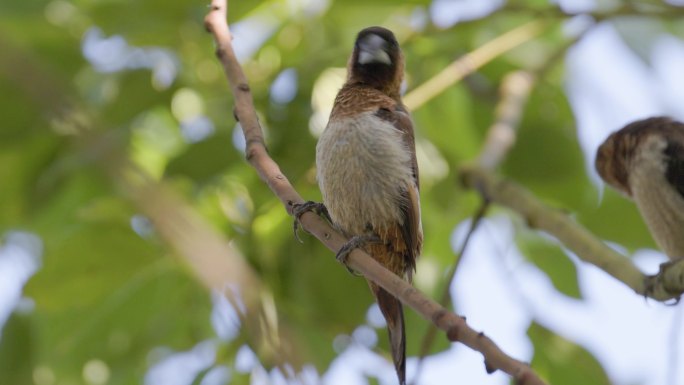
(455, 327)
(631, 9)
(667, 285)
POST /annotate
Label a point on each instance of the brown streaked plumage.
(367, 170)
(645, 161)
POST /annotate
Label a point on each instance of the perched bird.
(367, 171)
(645, 161)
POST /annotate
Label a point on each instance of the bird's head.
(615, 156)
(377, 60)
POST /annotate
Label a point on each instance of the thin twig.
(559, 53)
(454, 326)
(472, 61)
(659, 10)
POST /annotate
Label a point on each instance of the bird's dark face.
(612, 162)
(377, 60)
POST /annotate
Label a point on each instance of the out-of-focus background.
(127, 210)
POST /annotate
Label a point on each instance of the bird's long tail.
(394, 316)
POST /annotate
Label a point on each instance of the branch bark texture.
(455, 326)
(667, 285)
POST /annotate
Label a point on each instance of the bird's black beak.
(373, 49)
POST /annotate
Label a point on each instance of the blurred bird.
(368, 174)
(645, 161)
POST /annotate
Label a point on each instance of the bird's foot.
(654, 281)
(300, 208)
(356, 242)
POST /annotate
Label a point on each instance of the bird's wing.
(401, 120)
(412, 230)
(674, 158)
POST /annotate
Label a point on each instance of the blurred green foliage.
(108, 293)
(561, 361)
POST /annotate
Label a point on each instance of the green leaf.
(206, 159)
(17, 355)
(550, 258)
(21, 164)
(561, 362)
(629, 231)
(547, 158)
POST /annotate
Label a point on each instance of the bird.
(368, 174)
(645, 161)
